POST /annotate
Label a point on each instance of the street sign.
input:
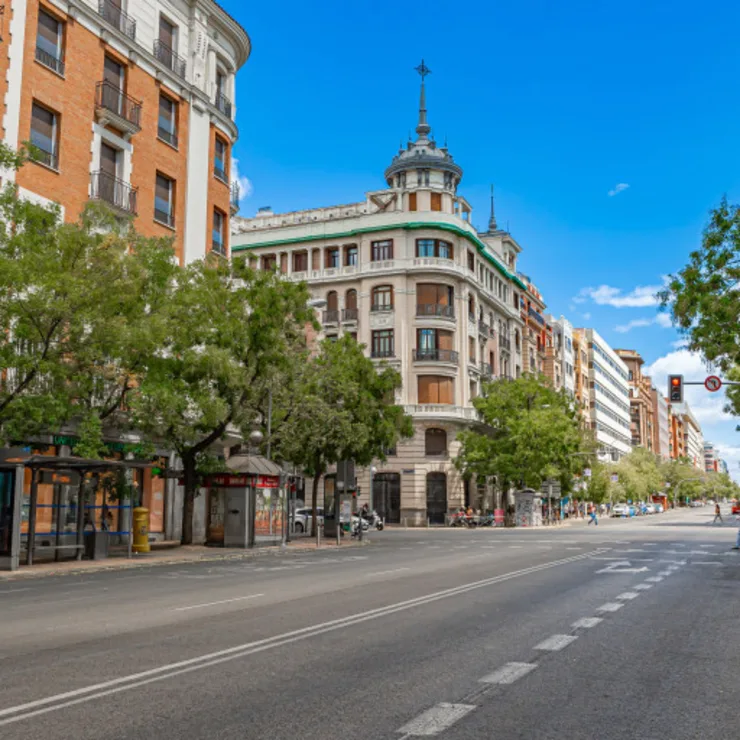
(712, 383)
(615, 478)
(587, 473)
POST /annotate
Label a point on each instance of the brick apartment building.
(128, 102)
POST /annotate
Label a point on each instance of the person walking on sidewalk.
(717, 514)
(592, 515)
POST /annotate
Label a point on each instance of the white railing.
(441, 409)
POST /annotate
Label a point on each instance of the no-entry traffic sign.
(712, 383)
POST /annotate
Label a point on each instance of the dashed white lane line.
(509, 673)
(643, 586)
(655, 579)
(435, 720)
(665, 573)
(586, 623)
(556, 642)
(386, 572)
(214, 603)
(706, 562)
(628, 596)
(574, 548)
(15, 590)
(516, 547)
(610, 606)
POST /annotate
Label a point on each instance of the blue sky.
(556, 103)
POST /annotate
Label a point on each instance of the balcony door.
(436, 497)
(109, 174)
(114, 79)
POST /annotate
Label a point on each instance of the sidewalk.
(168, 556)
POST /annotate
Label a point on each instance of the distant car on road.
(736, 507)
(621, 510)
(650, 509)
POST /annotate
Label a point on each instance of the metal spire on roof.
(423, 128)
(492, 220)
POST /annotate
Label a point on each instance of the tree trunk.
(188, 502)
(314, 502)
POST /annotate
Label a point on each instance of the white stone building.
(405, 272)
(562, 372)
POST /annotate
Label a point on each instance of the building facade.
(677, 433)
(408, 276)
(560, 357)
(711, 460)
(686, 436)
(537, 334)
(131, 103)
(609, 393)
(661, 425)
(642, 418)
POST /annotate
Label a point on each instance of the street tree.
(528, 432)
(228, 328)
(341, 407)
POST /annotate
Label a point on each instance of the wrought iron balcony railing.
(113, 14)
(435, 355)
(169, 58)
(113, 191)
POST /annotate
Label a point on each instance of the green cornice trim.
(411, 226)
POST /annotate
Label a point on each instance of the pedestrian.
(717, 514)
(592, 515)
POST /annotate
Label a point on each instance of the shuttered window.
(435, 389)
(436, 201)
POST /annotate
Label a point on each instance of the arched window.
(350, 299)
(435, 442)
(332, 301)
(382, 298)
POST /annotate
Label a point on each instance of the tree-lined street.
(573, 632)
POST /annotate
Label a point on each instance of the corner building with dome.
(408, 276)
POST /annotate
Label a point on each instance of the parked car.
(302, 519)
(736, 507)
(650, 509)
(659, 508)
(621, 510)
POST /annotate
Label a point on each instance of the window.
(516, 300)
(471, 308)
(167, 33)
(300, 261)
(382, 343)
(471, 349)
(350, 255)
(435, 344)
(284, 263)
(49, 42)
(350, 299)
(382, 298)
(434, 248)
(436, 201)
(471, 261)
(435, 389)
(316, 259)
(219, 162)
(382, 250)
(45, 135)
(332, 300)
(435, 442)
(219, 220)
(167, 124)
(412, 201)
(435, 300)
(332, 257)
(114, 73)
(269, 262)
(164, 201)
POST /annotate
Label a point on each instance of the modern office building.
(405, 272)
(131, 103)
(609, 394)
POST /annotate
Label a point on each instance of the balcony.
(349, 314)
(435, 310)
(116, 193)
(378, 307)
(536, 316)
(235, 198)
(441, 411)
(483, 329)
(114, 107)
(382, 354)
(54, 63)
(504, 343)
(486, 370)
(169, 58)
(112, 14)
(435, 355)
(223, 104)
(331, 316)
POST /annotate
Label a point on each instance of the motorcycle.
(374, 520)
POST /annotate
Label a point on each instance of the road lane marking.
(706, 562)
(385, 572)
(574, 548)
(610, 606)
(627, 596)
(643, 586)
(556, 642)
(15, 590)
(436, 720)
(215, 603)
(516, 547)
(55, 702)
(655, 579)
(586, 623)
(665, 573)
(509, 673)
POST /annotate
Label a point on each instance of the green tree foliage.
(529, 432)
(339, 407)
(227, 330)
(704, 297)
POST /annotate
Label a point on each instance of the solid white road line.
(643, 586)
(706, 562)
(556, 642)
(386, 572)
(214, 603)
(655, 579)
(611, 606)
(627, 596)
(164, 672)
(15, 590)
(436, 720)
(509, 673)
(586, 623)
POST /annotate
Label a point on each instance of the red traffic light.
(675, 382)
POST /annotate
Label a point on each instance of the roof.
(238, 26)
(253, 465)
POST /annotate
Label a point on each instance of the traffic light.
(675, 388)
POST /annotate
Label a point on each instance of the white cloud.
(618, 188)
(605, 295)
(680, 344)
(245, 184)
(662, 319)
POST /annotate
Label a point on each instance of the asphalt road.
(627, 630)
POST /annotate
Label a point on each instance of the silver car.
(302, 519)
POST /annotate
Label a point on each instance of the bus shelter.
(72, 503)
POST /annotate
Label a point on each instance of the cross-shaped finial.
(423, 70)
